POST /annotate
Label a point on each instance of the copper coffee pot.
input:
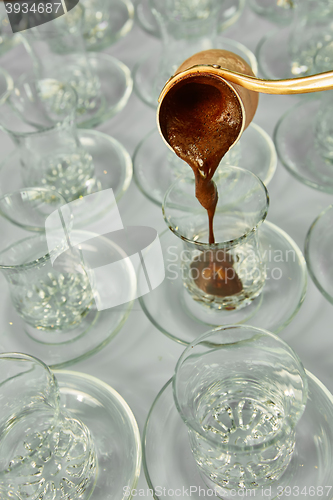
(238, 76)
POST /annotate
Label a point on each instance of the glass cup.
(57, 50)
(48, 282)
(310, 30)
(186, 27)
(278, 12)
(230, 273)
(106, 21)
(231, 12)
(39, 116)
(45, 452)
(240, 391)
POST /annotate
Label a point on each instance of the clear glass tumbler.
(310, 30)
(57, 50)
(39, 116)
(230, 273)
(241, 391)
(45, 452)
(105, 21)
(186, 27)
(49, 284)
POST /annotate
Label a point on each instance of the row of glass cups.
(243, 384)
(39, 115)
(59, 432)
(57, 50)
(240, 391)
(104, 23)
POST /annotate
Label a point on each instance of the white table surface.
(140, 359)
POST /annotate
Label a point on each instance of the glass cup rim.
(29, 357)
(226, 446)
(43, 258)
(217, 244)
(30, 78)
(37, 189)
(26, 265)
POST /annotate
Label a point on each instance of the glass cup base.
(295, 143)
(62, 348)
(232, 10)
(274, 58)
(119, 23)
(149, 79)
(112, 165)
(167, 307)
(169, 464)
(155, 166)
(113, 429)
(114, 81)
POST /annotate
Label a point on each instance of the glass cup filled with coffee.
(230, 272)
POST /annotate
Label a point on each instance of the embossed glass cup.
(105, 22)
(39, 116)
(48, 283)
(57, 50)
(186, 27)
(230, 273)
(241, 391)
(310, 31)
(45, 452)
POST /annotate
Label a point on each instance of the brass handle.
(303, 85)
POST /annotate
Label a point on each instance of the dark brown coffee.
(201, 118)
(213, 272)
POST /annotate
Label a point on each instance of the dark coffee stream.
(201, 122)
(201, 118)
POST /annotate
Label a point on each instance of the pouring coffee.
(201, 116)
(203, 110)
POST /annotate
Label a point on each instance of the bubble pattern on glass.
(71, 174)
(83, 80)
(310, 31)
(227, 411)
(45, 297)
(96, 20)
(55, 461)
(241, 392)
